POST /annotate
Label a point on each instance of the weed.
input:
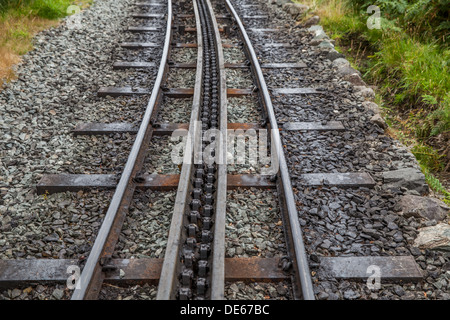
(408, 60)
(20, 20)
(427, 157)
(435, 184)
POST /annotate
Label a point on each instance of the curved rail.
(218, 263)
(210, 78)
(123, 190)
(167, 280)
(295, 228)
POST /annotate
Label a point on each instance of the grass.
(16, 33)
(411, 71)
(435, 184)
(20, 21)
(420, 71)
(46, 9)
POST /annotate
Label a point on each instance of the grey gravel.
(160, 160)
(175, 110)
(180, 78)
(146, 228)
(351, 221)
(144, 292)
(254, 226)
(60, 226)
(243, 109)
(233, 55)
(75, 63)
(37, 292)
(237, 78)
(56, 88)
(257, 291)
(184, 55)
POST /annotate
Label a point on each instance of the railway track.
(196, 264)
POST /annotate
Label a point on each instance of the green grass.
(408, 60)
(420, 71)
(20, 20)
(427, 157)
(51, 9)
(411, 70)
(20, 34)
(414, 75)
(418, 67)
(435, 184)
(47, 9)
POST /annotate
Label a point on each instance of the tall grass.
(420, 72)
(408, 58)
(20, 20)
(410, 61)
(427, 18)
(48, 9)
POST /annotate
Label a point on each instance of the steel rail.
(171, 265)
(295, 228)
(218, 250)
(122, 193)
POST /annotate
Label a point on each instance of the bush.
(49, 9)
(425, 17)
(411, 56)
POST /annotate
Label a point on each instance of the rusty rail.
(89, 284)
(296, 237)
(171, 266)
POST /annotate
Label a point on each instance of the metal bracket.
(226, 30)
(107, 264)
(285, 263)
(138, 180)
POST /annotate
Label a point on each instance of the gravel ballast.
(345, 221)
(56, 89)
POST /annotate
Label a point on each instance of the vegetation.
(408, 59)
(20, 20)
(427, 18)
(47, 9)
